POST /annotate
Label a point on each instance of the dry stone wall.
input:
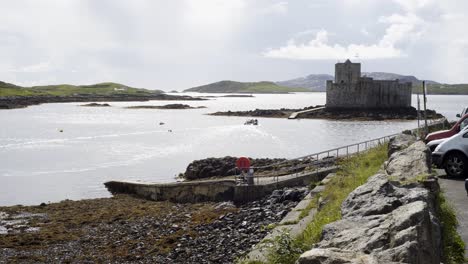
(389, 219)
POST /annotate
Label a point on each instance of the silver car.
(452, 154)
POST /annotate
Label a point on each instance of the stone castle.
(350, 90)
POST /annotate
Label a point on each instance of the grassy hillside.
(244, 87)
(108, 88)
(444, 89)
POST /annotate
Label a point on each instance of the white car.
(463, 112)
(434, 143)
(452, 154)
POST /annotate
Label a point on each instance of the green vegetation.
(353, 173)
(453, 246)
(443, 89)
(244, 87)
(108, 88)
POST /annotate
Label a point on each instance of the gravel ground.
(124, 229)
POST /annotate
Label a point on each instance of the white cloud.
(277, 8)
(319, 49)
(402, 29)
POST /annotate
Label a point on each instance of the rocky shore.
(124, 229)
(225, 167)
(12, 102)
(335, 114)
(168, 106)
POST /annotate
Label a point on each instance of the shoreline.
(13, 102)
(128, 229)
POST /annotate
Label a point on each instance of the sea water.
(52, 152)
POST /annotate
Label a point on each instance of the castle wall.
(369, 93)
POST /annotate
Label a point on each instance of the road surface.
(455, 193)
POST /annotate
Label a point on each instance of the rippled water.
(38, 163)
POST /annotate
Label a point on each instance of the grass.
(443, 89)
(108, 88)
(353, 173)
(244, 87)
(452, 244)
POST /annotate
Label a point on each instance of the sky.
(178, 44)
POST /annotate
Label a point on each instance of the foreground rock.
(11, 102)
(168, 106)
(335, 114)
(128, 230)
(389, 219)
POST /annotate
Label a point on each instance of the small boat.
(251, 122)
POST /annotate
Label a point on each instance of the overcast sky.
(178, 44)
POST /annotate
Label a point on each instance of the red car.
(448, 133)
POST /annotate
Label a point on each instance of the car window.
(464, 123)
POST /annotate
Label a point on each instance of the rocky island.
(335, 114)
(96, 105)
(168, 106)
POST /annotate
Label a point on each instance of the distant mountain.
(244, 87)
(317, 82)
(313, 82)
(394, 76)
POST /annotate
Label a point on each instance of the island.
(14, 96)
(96, 105)
(168, 106)
(245, 87)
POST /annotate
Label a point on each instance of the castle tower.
(347, 72)
(351, 91)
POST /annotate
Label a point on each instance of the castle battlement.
(351, 90)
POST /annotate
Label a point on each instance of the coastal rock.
(409, 113)
(210, 167)
(385, 220)
(96, 105)
(168, 106)
(410, 163)
(335, 256)
(401, 142)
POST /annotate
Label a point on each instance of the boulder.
(335, 256)
(409, 163)
(385, 220)
(400, 142)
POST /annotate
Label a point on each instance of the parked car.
(452, 155)
(463, 112)
(463, 122)
(434, 143)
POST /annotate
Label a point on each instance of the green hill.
(108, 88)
(443, 89)
(244, 87)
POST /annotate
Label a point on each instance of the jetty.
(296, 114)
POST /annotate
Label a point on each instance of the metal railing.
(296, 167)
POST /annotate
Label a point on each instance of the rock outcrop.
(389, 219)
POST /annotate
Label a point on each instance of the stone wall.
(389, 219)
(368, 93)
(214, 190)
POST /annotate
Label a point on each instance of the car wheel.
(455, 165)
